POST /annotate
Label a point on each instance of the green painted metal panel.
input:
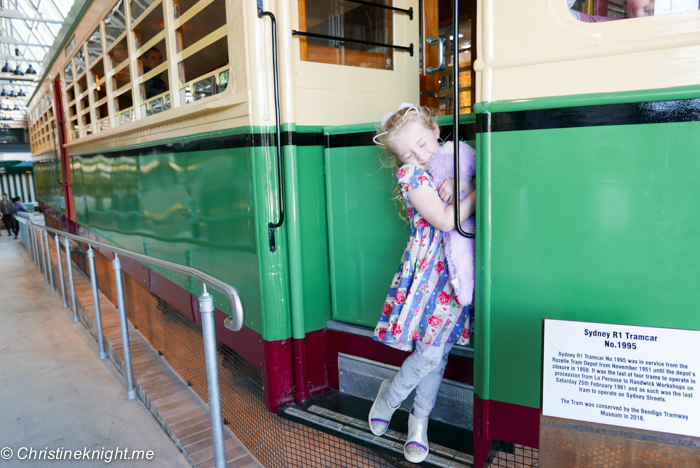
(313, 237)
(365, 232)
(47, 185)
(596, 224)
(192, 208)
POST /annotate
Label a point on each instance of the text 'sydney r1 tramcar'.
(587, 166)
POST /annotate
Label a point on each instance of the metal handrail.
(206, 311)
(234, 323)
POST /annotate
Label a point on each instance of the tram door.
(437, 78)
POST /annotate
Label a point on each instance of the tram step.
(345, 416)
(361, 378)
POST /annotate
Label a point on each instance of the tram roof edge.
(76, 13)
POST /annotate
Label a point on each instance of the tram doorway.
(437, 83)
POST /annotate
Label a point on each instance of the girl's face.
(415, 143)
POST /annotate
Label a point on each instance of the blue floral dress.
(421, 304)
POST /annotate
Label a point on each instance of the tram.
(163, 126)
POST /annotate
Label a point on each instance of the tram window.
(85, 102)
(115, 23)
(156, 106)
(100, 92)
(121, 78)
(211, 18)
(139, 6)
(154, 60)
(87, 124)
(70, 46)
(123, 102)
(149, 27)
(98, 71)
(118, 53)
(82, 85)
(126, 116)
(72, 110)
(68, 73)
(101, 112)
(79, 62)
(182, 6)
(70, 92)
(94, 46)
(211, 58)
(346, 19)
(592, 11)
(74, 129)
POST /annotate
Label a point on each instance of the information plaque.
(637, 377)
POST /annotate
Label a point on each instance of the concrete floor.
(55, 393)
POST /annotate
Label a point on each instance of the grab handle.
(441, 53)
(455, 68)
(280, 165)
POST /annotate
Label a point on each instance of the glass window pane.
(592, 11)
(151, 59)
(70, 46)
(69, 73)
(79, 62)
(115, 23)
(119, 53)
(139, 6)
(150, 26)
(94, 45)
(345, 19)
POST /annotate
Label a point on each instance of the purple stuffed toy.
(458, 250)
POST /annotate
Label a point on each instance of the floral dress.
(421, 304)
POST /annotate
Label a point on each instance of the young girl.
(421, 308)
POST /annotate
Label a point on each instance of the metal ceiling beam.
(19, 78)
(14, 58)
(14, 41)
(16, 14)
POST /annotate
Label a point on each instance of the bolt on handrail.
(206, 310)
(233, 323)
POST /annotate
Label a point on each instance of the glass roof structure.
(28, 29)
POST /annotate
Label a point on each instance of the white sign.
(637, 377)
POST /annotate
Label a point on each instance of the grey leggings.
(422, 370)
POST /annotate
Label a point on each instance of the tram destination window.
(596, 11)
(347, 20)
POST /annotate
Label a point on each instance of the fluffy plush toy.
(459, 250)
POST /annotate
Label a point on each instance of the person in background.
(7, 208)
(155, 86)
(19, 206)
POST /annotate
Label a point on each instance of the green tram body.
(586, 211)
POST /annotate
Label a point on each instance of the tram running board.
(345, 416)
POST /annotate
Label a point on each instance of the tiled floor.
(177, 408)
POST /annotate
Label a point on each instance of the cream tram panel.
(538, 49)
(228, 109)
(326, 94)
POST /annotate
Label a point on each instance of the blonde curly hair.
(387, 132)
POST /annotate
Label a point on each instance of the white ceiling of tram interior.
(28, 28)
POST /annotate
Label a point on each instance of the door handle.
(441, 53)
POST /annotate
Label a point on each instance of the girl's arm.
(447, 189)
(427, 202)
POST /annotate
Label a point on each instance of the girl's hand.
(447, 191)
